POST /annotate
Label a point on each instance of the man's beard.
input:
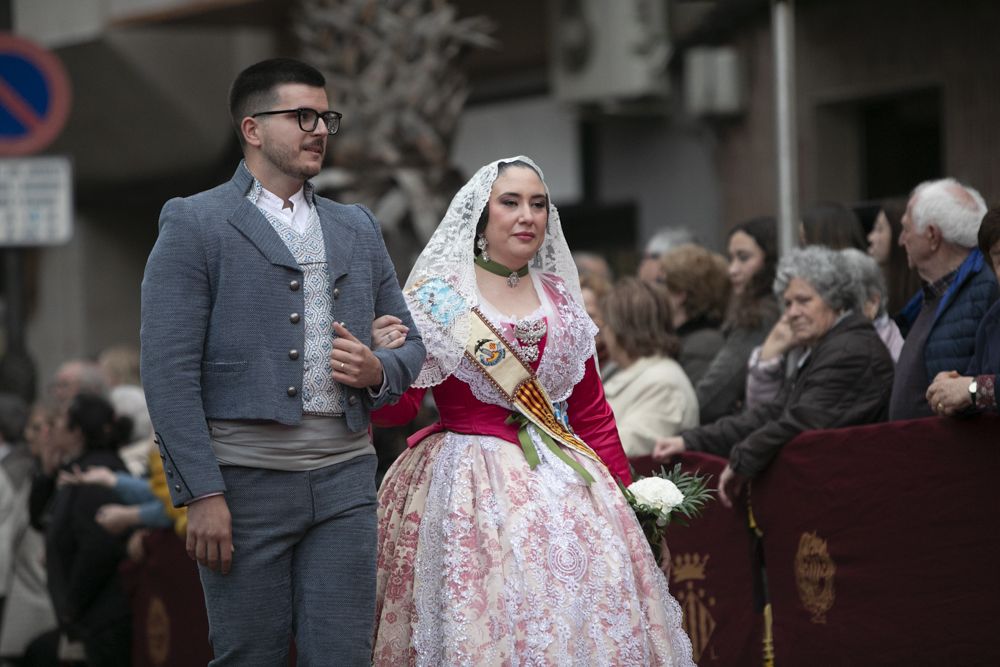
(286, 160)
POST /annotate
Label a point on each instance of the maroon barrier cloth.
(169, 624)
(883, 544)
(711, 575)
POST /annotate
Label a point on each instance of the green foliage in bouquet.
(668, 497)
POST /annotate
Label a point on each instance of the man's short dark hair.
(253, 89)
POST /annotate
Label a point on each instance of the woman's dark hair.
(989, 233)
(638, 315)
(94, 417)
(485, 215)
(901, 281)
(756, 303)
(833, 225)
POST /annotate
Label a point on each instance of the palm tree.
(392, 69)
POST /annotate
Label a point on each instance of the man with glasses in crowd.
(257, 308)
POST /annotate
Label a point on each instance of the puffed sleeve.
(592, 420)
(401, 413)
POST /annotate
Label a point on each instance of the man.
(650, 267)
(257, 306)
(939, 233)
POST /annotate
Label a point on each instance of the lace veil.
(441, 289)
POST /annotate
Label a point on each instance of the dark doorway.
(901, 142)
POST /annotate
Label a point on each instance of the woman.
(753, 253)
(832, 225)
(844, 377)
(952, 393)
(901, 281)
(698, 291)
(491, 552)
(81, 558)
(773, 361)
(650, 394)
(593, 289)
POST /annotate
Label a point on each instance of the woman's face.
(880, 239)
(593, 307)
(746, 258)
(37, 431)
(518, 211)
(807, 313)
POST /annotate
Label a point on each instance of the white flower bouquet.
(665, 498)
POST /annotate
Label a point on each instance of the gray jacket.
(223, 322)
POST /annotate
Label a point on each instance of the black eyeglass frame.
(330, 118)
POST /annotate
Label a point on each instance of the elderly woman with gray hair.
(776, 359)
(844, 377)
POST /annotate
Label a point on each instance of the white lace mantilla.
(444, 274)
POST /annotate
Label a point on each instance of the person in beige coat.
(650, 394)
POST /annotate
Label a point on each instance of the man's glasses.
(309, 118)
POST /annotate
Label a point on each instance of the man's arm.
(176, 301)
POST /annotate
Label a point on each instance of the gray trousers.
(303, 565)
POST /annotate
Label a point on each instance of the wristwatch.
(973, 388)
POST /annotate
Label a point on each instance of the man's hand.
(949, 393)
(388, 332)
(731, 486)
(353, 364)
(210, 533)
(668, 447)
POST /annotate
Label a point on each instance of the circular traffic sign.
(34, 96)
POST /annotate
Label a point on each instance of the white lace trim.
(446, 263)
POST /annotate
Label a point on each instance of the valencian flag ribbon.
(503, 367)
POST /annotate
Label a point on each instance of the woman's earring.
(482, 243)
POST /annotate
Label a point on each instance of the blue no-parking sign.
(34, 96)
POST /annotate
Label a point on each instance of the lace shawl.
(441, 289)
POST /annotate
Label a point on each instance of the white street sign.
(36, 201)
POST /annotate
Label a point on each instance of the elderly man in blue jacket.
(940, 230)
(257, 308)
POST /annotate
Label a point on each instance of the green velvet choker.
(513, 277)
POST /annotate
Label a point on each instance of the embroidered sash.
(501, 364)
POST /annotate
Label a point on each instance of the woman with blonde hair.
(698, 290)
(650, 394)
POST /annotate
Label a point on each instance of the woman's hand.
(731, 486)
(116, 519)
(778, 341)
(100, 475)
(388, 332)
(949, 393)
(666, 448)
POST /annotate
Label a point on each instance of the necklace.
(513, 277)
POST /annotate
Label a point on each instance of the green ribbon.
(531, 454)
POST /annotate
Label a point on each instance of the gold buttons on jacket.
(294, 318)
(294, 285)
(292, 391)
(293, 354)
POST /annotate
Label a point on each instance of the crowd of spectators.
(896, 321)
(80, 486)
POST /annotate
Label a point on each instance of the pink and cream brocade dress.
(485, 561)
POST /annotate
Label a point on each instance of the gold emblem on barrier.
(157, 632)
(694, 600)
(814, 576)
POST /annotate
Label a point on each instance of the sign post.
(35, 193)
